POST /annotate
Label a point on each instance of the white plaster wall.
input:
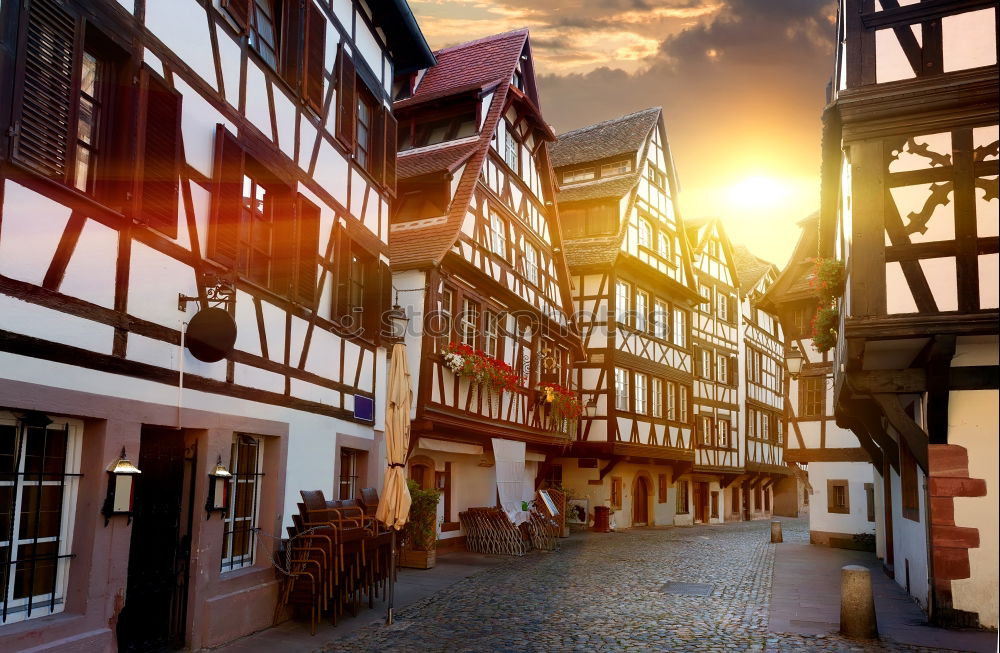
(183, 27)
(973, 424)
(856, 474)
(909, 539)
(472, 486)
(879, 485)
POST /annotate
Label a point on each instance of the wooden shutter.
(733, 370)
(389, 147)
(158, 152)
(342, 263)
(382, 280)
(284, 239)
(42, 113)
(239, 11)
(346, 102)
(227, 201)
(376, 155)
(314, 54)
(290, 42)
(307, 250)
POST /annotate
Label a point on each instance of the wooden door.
(640, 502)
(701, 502)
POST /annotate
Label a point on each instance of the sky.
(741, 82)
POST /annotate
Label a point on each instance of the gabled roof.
(409, 48)
(749, 268)
(621, 135)
(485, 61)
(613, 187)
(437, 159)
(793, 282)
(597, 250)
(698, 232)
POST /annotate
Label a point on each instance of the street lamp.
(397, 322)
(121, 488)
(218, 488)
(590, 409)
(793, 360)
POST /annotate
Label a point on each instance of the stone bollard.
(857, 605)
(776, 531)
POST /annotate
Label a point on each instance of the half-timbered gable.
(634, 291)
(476, 255)
(168, 163)
(761, 385)
(910, 206)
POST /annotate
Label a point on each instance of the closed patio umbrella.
(394, 506)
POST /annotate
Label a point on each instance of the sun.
(758, 192)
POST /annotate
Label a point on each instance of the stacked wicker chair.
(336, 555)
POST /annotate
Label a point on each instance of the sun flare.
(758, 192)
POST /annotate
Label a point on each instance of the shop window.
(239, 537)
(682, 497)
(838, 497)
(39, 468)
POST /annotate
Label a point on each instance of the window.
(661, 316)
(765, 426)
(498, 234)
(705, 429)
(363, 134)
(447, 299)
(715, 505)
(682, 497)
(657, 397)
(351, 465)
(723, 427)
(239, 537)
(255, 236)
(531, 263)
(663, 245)
(870, 500)
(469, 322)
(89, 114)
(616, 168)
(680, 328)
(909, 490)
(706, 364)
(623, 293)
(491, 326)
(837, 496)
(671, 401)
(645, 234)
(511, 149)
(767, 500)
(616, 492)
(592, 219)
(573, 176)
(356, 280)
(722, 369)
(39, 468)
(812, 397)
(723, 303)
(262, 34)
(421, 474)
(641, 391)
(621, 389)
(641, 310)
(683, 409)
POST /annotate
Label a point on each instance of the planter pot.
(418, 559)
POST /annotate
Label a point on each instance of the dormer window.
(575, 176)
(616, 168)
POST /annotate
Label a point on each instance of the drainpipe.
(930, 556)
(180, 368)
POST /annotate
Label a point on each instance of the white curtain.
(509, 457)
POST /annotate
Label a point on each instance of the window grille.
(239, 537)
(39, 468)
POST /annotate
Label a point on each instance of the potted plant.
(486, 372)
(827, 280)
(420, 532)
(563, 405)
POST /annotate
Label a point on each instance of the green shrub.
(421, 528)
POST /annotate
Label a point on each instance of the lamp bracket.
(220, 292)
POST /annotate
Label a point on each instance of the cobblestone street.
(606, 592)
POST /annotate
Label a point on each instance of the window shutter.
(227, 201)
(291, 42)
(346, 103)
(385, 299)
(389, 168)
(342, 262)
(314, 54)
(698, 367)
(42, 115)
(307, 247)
(239, 11)
(376, 157)
(733, 370)
(732, 309)
(158, 154)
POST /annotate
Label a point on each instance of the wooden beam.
(923, 11)
(870, 417)
(611, 465)
(909, 430)
(939, 372)
(922, 326)
(867, 441)
(917, 380)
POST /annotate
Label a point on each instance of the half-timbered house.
(477, 261)
(715, 333)
(841, 503)
(761, 396)
(910, 205)
(194, 210)
(633, 288)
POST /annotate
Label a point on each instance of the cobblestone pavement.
(605, 593)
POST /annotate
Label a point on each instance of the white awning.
(450, 447)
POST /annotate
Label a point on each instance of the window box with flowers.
(562, 405)
(489, 374)
(827, 280)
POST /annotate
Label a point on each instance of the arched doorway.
(640, 502)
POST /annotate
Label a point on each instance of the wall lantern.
(590, 409)
(397, 323)
(793, 360)
(121, 488)
(218, 489)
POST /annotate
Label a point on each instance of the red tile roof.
(439, 159)
(487, 60)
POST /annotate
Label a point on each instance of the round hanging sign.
(211, 335)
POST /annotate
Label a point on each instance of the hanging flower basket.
(490, 374)
(827, 279)
(824, 328)
(564, 404)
